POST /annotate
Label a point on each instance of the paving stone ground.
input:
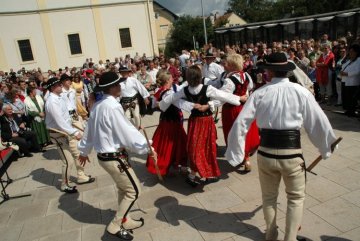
(227, 210)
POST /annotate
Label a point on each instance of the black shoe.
(68, 189)
(192, 182)
(28, 155)
(39, 150)
(350, 113)
(123, 235)
(211, 180)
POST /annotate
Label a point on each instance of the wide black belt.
(280, 139)
(122, 157)
(127, 100)
(108, 156)
(196, 113)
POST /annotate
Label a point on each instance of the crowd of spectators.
(327, 63)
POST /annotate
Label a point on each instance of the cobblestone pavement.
(227, 210)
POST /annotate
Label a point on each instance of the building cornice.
(37, 11)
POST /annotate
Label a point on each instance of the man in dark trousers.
(281, 108)
(13, 129)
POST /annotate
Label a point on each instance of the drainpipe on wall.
(151, 30)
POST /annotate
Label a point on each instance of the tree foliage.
(182, 32)
(264, 10)
(221, 22)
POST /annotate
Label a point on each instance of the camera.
(22, 131)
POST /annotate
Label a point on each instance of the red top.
(175, 73)
(322, 76)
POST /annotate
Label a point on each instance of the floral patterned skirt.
(201, 146)
(169, 142)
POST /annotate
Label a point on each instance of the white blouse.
(211, 92)
(353, 70)
(131, 86)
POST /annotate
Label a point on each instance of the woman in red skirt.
(239, 83)
(169, 140)
(201, 141)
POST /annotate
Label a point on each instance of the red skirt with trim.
(202, 146)
(228, 117)
(169, 142)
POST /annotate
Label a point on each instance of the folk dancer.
(59, 123)
(238, 83)
(281, 108)
(131, 88)
(201, 141)
(112, 135)
(170, 138)
(69, 96)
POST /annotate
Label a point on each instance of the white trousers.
(128, 187)
(69, 154)
(134, 115)
(292, 172)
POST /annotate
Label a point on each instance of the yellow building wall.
(235, 21)
(47, 24)
(164, 23)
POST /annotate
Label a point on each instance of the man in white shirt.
(131, 88)
(59, 122)
(185, 55)
(212, 71)
(68, 94)
(281, 108)
(111, 134)
(153, 71)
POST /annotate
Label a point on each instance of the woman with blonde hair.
(238, 83)
(169, 140)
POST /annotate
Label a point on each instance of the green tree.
(299, 8)
(264, 10)
(182, 32)
(252, 10)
